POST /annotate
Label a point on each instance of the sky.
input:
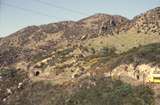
(17, 14)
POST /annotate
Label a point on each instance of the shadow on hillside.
(148, 54)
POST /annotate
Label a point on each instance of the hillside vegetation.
(104, 92)
(99, 60)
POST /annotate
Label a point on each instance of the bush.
(146, 94)
(112, 93)
(105, 92)
(105, 51)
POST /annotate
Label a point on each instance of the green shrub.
(105, 51)
(146, 94)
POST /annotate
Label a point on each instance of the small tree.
(93, 50)
(105, 51)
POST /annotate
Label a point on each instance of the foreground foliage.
(105, 92)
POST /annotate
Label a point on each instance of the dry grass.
(123, 42)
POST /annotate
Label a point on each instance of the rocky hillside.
(67, 30)
(148, 22)
(77, 57)
(49, 36)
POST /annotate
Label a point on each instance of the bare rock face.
(128, 73)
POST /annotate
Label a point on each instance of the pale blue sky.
(13, 19)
